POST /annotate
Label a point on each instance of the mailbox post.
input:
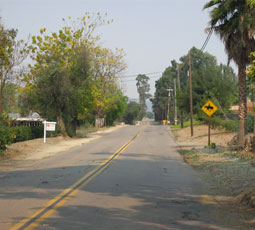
(48, 126)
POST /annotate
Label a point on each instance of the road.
(131, 178)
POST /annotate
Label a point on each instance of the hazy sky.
(152, 32)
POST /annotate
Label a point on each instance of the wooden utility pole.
(175, 104)
(190, 97)
(179, 87)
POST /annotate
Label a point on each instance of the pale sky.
(151, 32)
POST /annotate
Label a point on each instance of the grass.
(185, 124)
(83, 131)
(190, 156)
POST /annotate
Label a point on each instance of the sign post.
(48, 126)
(209, 108)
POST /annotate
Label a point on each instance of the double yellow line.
(43, 213)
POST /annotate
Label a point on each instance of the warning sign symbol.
(209, 108)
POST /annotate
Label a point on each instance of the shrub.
(37, 132)
(4, 137)
(9, 135)
(230, 125)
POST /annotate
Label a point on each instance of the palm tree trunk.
(242, 105)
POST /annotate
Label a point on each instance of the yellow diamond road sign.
(209, 108)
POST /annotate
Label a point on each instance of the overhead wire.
(135, 75)
(135, 79)
(207, 39)
(153, 73)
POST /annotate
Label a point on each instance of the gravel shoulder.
(229, 174)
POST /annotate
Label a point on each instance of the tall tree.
(234, 22)
(60, 70)
(209, 80)
(161, 96)
(106, 67)
(143, 89)
(12, 54)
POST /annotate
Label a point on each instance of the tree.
(61, 68)
(12, 54)
(117, 110)
(161, 96)
(106, 65)
(210, 80)
(234, 22)
(143, 89)
(132, 112)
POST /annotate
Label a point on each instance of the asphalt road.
(129, 179)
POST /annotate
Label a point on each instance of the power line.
(135, 75)
(135, 79)
(207, 39)
(203, 47)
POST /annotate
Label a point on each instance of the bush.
(4, 138)
(37, 132)
(230, 125)
(250, 123)
(9, 135)
(20, 133)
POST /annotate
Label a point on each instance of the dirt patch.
(229, 173)
(37, 149)
(200, 138)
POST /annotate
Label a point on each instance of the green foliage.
(212, 145)
(229, 125)
(74, 78)
(12, 54)
(143, 89)
(161, 97)
(20, 133)
(234, 22)
(9, 135)
(116, 111)
(4, 138)
(209, 80)
(187, 123)
(38, 132)
(150, 115)
(132, 113)
(250, 123)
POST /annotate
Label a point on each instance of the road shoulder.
(229, 174)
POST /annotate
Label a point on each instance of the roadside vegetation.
(66, 76)
(228, 162)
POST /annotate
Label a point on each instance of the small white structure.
(48, 126)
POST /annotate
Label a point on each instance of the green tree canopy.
(143, 89)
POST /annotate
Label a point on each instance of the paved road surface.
(144, 185)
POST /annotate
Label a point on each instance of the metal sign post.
(48, 126)
(209, 108)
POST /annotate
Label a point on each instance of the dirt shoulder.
(230, 175)
(36, 149)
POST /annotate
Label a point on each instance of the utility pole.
(168, 104)
(175, 105)
(179, 87)
(190, 97)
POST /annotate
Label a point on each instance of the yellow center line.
(47, 210)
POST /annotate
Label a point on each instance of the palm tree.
(234, 22)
